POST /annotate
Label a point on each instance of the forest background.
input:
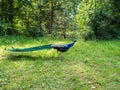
(87, 19)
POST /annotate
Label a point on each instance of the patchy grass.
(91, 65)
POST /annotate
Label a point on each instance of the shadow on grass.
(22, 57)
(29, 58)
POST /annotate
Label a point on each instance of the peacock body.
(58, 47)
(63, 47)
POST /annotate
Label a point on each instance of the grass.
(90, 65)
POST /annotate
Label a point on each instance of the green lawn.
(90, 65)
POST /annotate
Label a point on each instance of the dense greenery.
(38, 17)
(68, 18)
(99, 19)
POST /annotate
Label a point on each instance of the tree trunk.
(64, 34)
(7, 9)
(53, 3)
(10, 10)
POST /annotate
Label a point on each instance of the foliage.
(98, 19)
(6, 29)
(38, 17)
(85, 10)
(3, 27)
(104, 22)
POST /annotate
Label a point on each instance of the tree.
(38, 17)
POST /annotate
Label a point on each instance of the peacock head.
(74, 41)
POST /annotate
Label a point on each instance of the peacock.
(58, 47)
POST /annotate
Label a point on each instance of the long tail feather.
(30, 49)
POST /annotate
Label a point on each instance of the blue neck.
(70, 45)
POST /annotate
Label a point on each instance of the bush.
(104, 25)
(34, 32)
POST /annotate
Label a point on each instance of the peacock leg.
(60, 56)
